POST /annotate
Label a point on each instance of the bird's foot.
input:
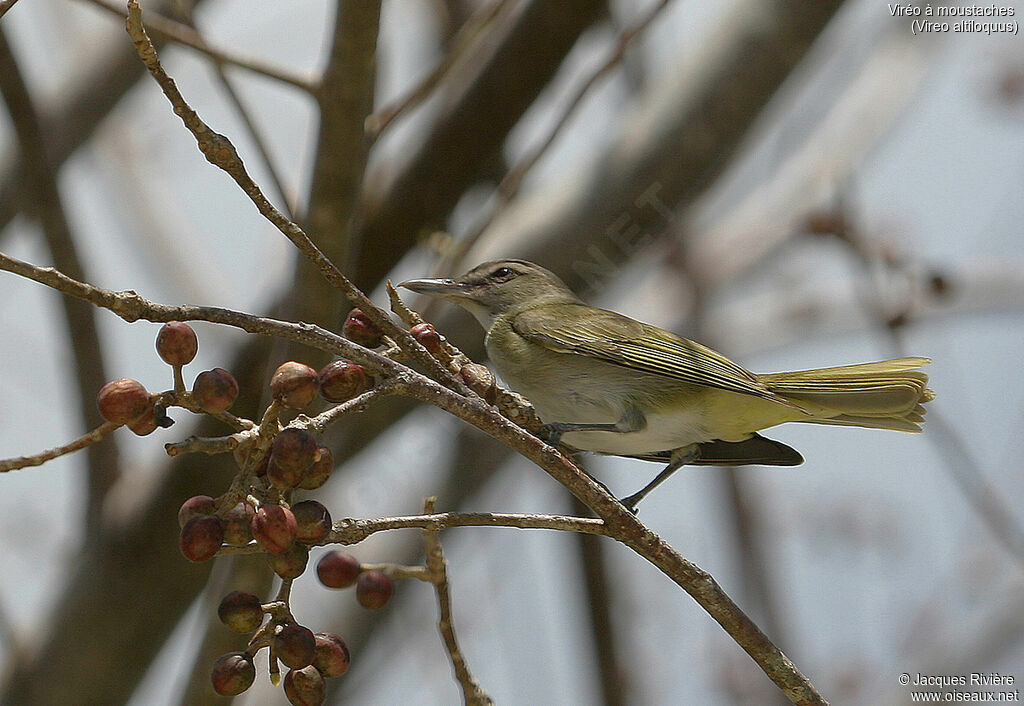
(552, 434)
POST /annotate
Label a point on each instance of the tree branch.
(472, 693)
(97, 434)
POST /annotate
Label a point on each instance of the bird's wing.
(618, 339)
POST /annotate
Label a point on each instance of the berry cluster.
(275, 457)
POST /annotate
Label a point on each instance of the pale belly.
(663, 432)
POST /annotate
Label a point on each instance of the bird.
(603, 382)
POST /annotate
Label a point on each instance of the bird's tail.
(888, 394)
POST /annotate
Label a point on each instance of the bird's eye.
(503, 273)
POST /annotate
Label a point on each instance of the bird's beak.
(436, 287)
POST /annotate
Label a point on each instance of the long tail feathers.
(888, 394)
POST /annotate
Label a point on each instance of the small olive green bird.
(604, 382)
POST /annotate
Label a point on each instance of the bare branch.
(472, 692)
(352, 530)
(97, 434)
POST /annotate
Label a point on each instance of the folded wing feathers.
(884, 394)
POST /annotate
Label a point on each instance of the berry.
(238, 524)
(293, 450)
(273, 526)
(428, 337)
(359, 329)
(338, 569)
(480, 380)
(283, 478)
(295, 646)
(215, 390)
(294, 384)
(313, 521)
(196, 505)
(305, 687)
(292, 563)
(341, 381)
(241, 611)
(317, 474)
(374, 589)
(147, 423)
(332, 655)
(122, 401)
(201, 537)
(177, 343)
(233, 673)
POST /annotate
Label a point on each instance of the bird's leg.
(680, 457)
(631, 420)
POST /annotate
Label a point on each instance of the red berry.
(332, 655)
(145, 424)
(282, 478)
(215, 390)
(241, 611)
(295, 646)
(305, 687)
(238, 524)
(359, 329)
(196, 505)
(480, 380)
(201, 537)
(317, 474)
(427, 336)
(293, 449)
(374, 589)
(313, 521)
(122, 401)
(338, 569)
(233, 673)
(292, 563)
(273, 526)
(341, 381)
(177, 343)
(294, 384)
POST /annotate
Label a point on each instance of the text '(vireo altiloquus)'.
(604, 382)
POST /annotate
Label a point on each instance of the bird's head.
(498, 287)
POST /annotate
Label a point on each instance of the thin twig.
(357, 404)
(170, 30)
(353, 531)
(202, 444)
(380, 120)
(97, 434)
(472, 692)
(220, 152)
